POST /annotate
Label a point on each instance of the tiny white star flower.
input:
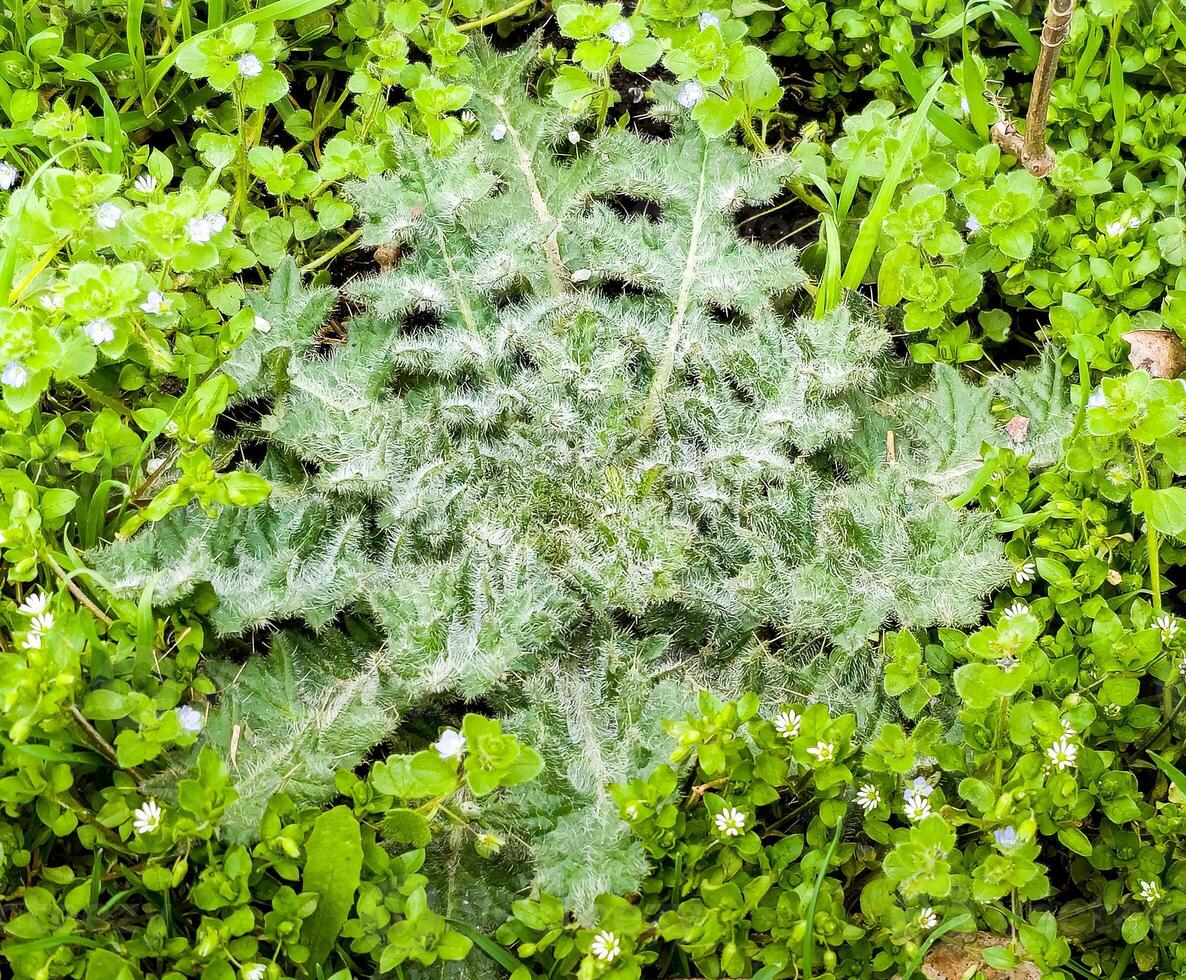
(823, 751)
(99, 331)
(154, 302)
(261, 324)
(916, 807)
(631, 812)
(1134, 222)
(52, 301)
(1182, 666)
(1062, 754)
(450, 745)
(42, 622)
(255, 971)
(14, 375)
(927, 918)
(1098, 399)
(605, 946)
(620, 33)
(1025, 572)
(786, 723)
(972, 224)
(1149, 892)
(108, 215)
(145, 183)
(1168, 626)
(730, 821)
(868, 798)
(8, 176)
(498, 133)
(1111, 710)
(34, 605)
(1067, 728)
(468, 117)
(148, 817)
(709, 19)
(217, 220)
(32, 641)
(574, 137)
(190, 718)
(249, 65)
(690, 95)
(1015, 610)
(199, 230)
(1115, 228)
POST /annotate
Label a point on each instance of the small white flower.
(52, 301)
(1062, 754)
(100, 331)
(1015, 610)
(261, 324)
(14, 375)
(964, 107)
(42, 623)
(787, 723)
(450, 745)
(498, 133)
(1098, 399)
(468, 117)
(574, 137)
(1168, 626)
(605, 946)
(32, 641)
(1134, 222)
(108, 215)
(730, 821)
(868, 798)
(1111, 710)
(8, 176)
(1025, 572)
(154, 302)
(709, 19)
(199, 230)
(690, 95)
(823, 751)
(915, 807)
(217, 220)
(1067, 728)
(1149, 892)
(249, 65)
(631, 812)
(1182, 666)
(620, 33)
(972, 224)
(927, 918)
(145, 183)
(148, 817)
(255, 971)
(34, 605)
(190, 718)
(1115, 228)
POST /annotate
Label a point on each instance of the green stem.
(1084, 395)
(344, 244)
(510, 11)
(1152, 542)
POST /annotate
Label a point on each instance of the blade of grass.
(135, 36)
(1091, 48)
(1172, 772)
(870, 232)
(972, 13)
(113, 134)
(831, 290)
(933, 938)
(1116, 91)
(953, 129)
(809, 917)
(973, 84)
(502, 957)
(1019, 30)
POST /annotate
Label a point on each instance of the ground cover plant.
(589, 490)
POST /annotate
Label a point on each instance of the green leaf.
(717, 116)
(332, 870)
(1164, 509)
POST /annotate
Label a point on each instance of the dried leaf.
(959, 957)
(1159, 352)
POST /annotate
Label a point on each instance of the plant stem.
(510, 11)
(1151, 539)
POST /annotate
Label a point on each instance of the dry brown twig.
(1030, 147)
